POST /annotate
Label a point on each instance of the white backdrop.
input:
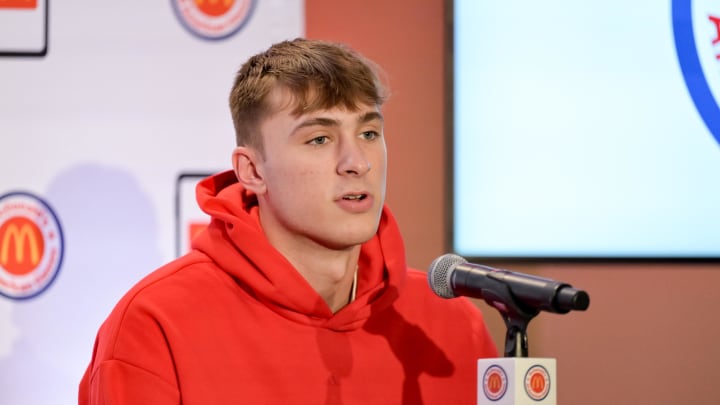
(125, 100)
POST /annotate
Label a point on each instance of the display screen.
(586, 130)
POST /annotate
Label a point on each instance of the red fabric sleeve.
(118, 383)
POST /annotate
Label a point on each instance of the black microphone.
(451, 275)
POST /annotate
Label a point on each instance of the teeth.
(354, 197)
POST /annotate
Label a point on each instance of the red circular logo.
(213, 19)
(22, 246)
(495, 382)
(31, 245)
(214, 8)
(537, 382)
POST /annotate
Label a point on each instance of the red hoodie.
(233, 322)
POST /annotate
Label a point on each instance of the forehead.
(282, 101)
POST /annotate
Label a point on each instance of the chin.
(350, 239)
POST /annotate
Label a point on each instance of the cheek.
(297, 181)
(380, 160)
(382, 169)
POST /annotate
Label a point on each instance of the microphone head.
(440, 272)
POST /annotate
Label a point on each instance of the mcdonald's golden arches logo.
(31, 245)
(213, 19)
(537, 382)
(495, 382)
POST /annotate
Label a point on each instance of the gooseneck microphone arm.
(518, 297)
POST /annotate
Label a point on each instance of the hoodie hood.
(235, 241)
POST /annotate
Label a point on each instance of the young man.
(298, 291)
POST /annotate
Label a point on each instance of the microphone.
(451, 275)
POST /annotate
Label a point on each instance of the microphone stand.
(515, 315)
(516, 379)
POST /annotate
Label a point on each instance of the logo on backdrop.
(697, 42)
(19, 4)
(495, 382)
(23, 28)
(190, 220)
(213, 19)
(31, 245)
(537, 382)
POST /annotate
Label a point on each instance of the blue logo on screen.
(691, 59)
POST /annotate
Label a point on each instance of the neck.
(333, 280)
(329, 272)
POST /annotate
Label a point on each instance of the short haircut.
(318, 75)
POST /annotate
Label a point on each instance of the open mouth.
(355, 197)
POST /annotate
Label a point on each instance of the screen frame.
(449, 178)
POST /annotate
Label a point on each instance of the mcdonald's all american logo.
(495, 382)
(213, 19)
(31, 245)
(537, 382)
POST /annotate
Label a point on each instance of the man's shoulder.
(190, 268)
(168, 290)
(173, 284)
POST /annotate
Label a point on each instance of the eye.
(318, 140)
(370, 135)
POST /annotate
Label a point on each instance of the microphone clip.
(515, 315)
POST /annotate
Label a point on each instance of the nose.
(353, 159)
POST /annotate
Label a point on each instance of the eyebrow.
(329, 122)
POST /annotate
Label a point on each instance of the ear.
(247, 164)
